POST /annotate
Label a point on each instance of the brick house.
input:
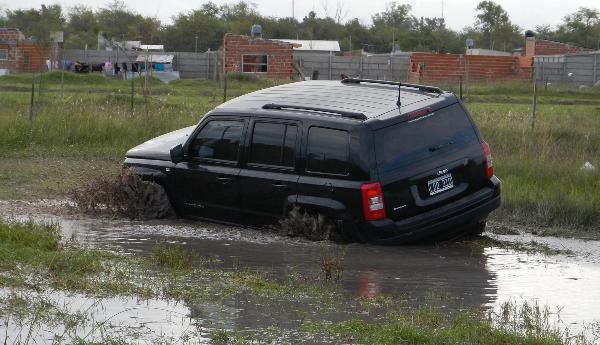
(19, 54)
(263, 57)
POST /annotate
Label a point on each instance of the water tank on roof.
(256, 31)
(529, 33)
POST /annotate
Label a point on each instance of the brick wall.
(23, 55)
(472, 68)
(535, 46)
(11, 35)
(280, 55)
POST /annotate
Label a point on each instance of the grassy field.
(35, 261)
(89, 130)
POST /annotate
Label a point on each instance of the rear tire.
(476, 229)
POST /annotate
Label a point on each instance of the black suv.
(387, 162)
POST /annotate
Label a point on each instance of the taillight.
(372, 199)
(489, 164)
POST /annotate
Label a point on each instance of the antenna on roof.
(399, 102)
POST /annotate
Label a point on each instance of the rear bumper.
(435, 223)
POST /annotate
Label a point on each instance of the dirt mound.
(125, 195)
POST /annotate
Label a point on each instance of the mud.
(449, 276)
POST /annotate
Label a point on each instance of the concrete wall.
(190, 65)
(331, 67)
(575, 69)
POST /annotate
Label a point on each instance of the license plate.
(440, 184)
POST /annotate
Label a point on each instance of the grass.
(519, 325)
(93, 126)
(38, 254)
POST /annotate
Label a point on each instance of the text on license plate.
(440, 184)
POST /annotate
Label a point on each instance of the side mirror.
(177, 154)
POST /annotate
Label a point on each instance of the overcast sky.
(458, 13)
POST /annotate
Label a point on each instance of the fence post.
(361, 66)
(207, 65)
(534, 105)
(132, 88)
(330, 62)
(595, 69)
(32, 96)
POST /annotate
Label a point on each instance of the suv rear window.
(403, 143)
(328, 151)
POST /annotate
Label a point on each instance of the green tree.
(82, 28)
(181, 36)
(36, 23)
(496, 28)
(581, 27)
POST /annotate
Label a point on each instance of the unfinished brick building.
(536, 47)
(263, 57)
(471, 68)
(18, 54)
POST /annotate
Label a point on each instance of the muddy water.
(452, 276)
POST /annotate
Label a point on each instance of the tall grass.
(95, 117)
(541, 167)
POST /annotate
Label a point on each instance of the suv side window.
(273, 144)
(328, 151)
(218, 139)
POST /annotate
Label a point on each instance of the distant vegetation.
(491, 29)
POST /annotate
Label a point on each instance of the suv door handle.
(279, 186)
(224, 180)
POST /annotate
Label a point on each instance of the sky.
(458, 13)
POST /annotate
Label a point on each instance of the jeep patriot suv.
(386, 162)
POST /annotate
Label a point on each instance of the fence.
(190, 65)
(576, 69)
(385, 67)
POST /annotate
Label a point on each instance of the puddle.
(452, 276)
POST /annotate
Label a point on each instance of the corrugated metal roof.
(155, 58)
(320, 45)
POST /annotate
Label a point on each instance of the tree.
(395, 16)
(37, 23)
(82, 28)
(581, 27)
(181, 36)
(495, 26)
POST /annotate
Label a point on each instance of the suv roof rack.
(342, 113)
(426, 88)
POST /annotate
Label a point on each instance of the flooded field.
(448, 276)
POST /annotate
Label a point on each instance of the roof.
(151, 47)
(372, 100)
(310, 45)
(156, 58)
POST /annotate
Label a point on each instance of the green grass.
(428, 326)
(543, 185)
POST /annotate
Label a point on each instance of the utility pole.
(293, 9)
(196, 48)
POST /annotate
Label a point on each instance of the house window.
(3, 54)
(26, 57)
(256, 63)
